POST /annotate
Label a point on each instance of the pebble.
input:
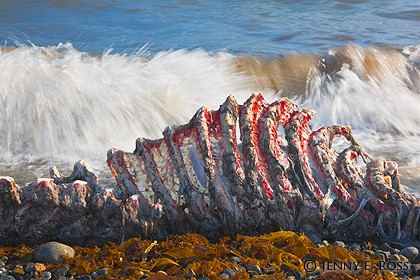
(355, 247)
(410, 252)
(224, 276)
(385, 247)
(394, 258)
(103, 271)
(230, 272)
(340, 244)
(47, 275)
(235, 259)
(6, 277)
(397, 245)
(369, 252)
(379, 255)
(191, 273)
(61, 271)
(52, 252)
(253, 267)
(85, 277)
(416, 269)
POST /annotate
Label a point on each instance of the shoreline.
(277, 255)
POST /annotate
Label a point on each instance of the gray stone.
(191, 273)
(230, 272)
(397, 245)
(47, 275)
(85, 277)
(340, 244)
(410, 252)
(235, 259)
(379, 255)
(253, 267)
(61, 271)
(6, 277)
(53, 252)
(103, 271)
(224, 276)
(355, 247)
(394, 258)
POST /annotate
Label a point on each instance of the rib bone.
(209, 177)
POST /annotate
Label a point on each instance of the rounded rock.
(230, 272)
(235, 259)
(103, 271)
(340, 244)
(355, 247)
(53, 252)
(47, 275)
(61, 271)
(7, 277)
(410, 252)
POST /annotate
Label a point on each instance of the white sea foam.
(60, 102)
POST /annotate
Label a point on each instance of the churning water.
(78, 78)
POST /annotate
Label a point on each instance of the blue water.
(84, 76)
(253, 27)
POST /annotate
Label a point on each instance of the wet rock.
(385, 247)
(7, 277)
(415, 268)
(355, 247)
(379, 255)
(410, 252)
(61, 271)
(340, 244)
(191, 274)
(230, 272)
(47, 275)
(253, 267)
(394, 258)
(103, 271)
(53, 252)
(224, 276)
(397, 245)
(84, 277)
(235, 259)
(369, 252)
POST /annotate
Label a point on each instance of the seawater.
(78, 78)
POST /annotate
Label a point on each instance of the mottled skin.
(227, 171)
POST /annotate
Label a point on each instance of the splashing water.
(61, 104)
